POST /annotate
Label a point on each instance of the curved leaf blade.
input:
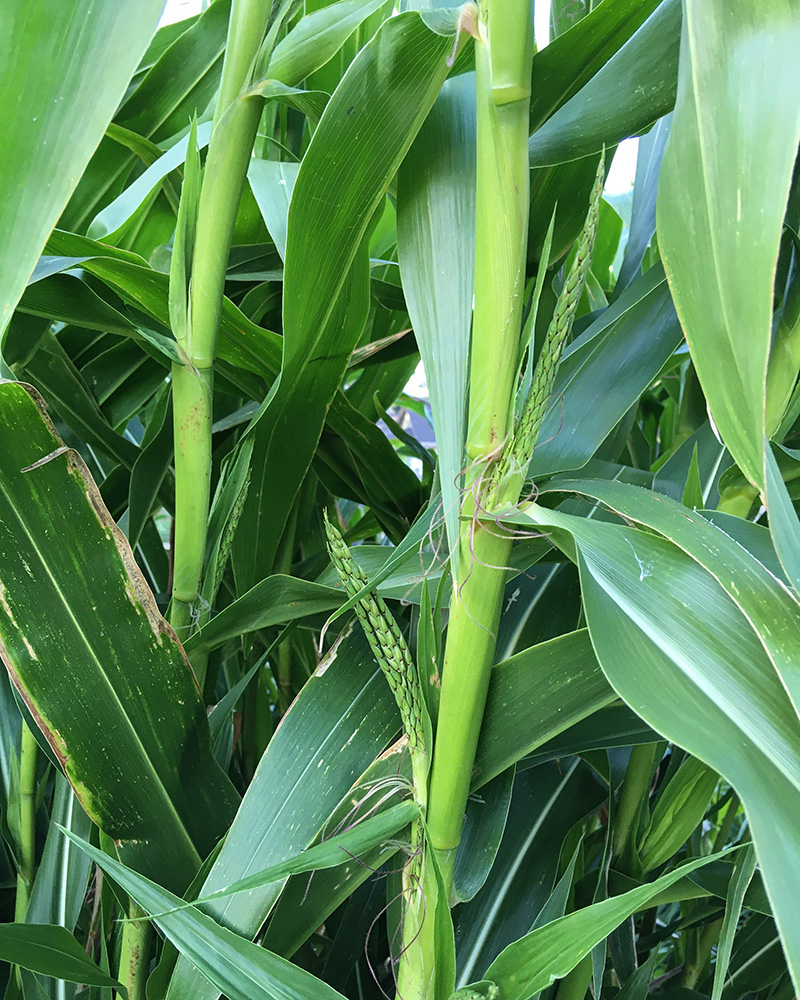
(363, 135)
(243, 970)
(722, 197)
(678, 649)
(436, 250)
(94, 665)
(343, 717)
(73, 72)
(52, 951)
(552, 951)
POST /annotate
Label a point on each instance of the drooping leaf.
(114, 653)
(51, 950)
(570, 61)
(73, 72)
(484, 824)
(773, 613)
(634, 88)
(708, 683)
(245, 971)
(551, 952)
(720, 243)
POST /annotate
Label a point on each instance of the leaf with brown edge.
(101, 671)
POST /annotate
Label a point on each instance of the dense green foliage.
(297, 706)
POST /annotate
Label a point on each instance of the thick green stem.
(235, 126)
(635, 787)
(29, 758)
(500, 236)
(502, 79)
(472, 633)
(503, 53)
(191, 393)
(135, 954)
(700, 943)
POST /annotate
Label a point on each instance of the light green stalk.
(235, 126)
(28, 760)
(135, 954)
(197, 282)
(499, 452)
(503, 54)
(635, 788)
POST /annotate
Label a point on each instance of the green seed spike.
(392, 653)
(517, 455)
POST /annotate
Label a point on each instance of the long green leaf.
(330, 853)
(569, 62)
(773, 613)
(550, 952)
(73, 72)
(679, 650)
(740, 880)
(243, 970)
(436, 250)
(343, 717)
(179, 84)
(635, 336)
(317, 37)
(60, 885)
(366, 129)
(92, 669)
(51, 950)
(634, 88)
(724, 184)
(274, 601)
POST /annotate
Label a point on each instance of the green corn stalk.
(197, 283)
(499, 451)
(203, 237)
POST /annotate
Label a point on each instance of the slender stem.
(235, 126)
(503, 56)
(635, 787)
(191, 393)
(29, 758)
(698, 957)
